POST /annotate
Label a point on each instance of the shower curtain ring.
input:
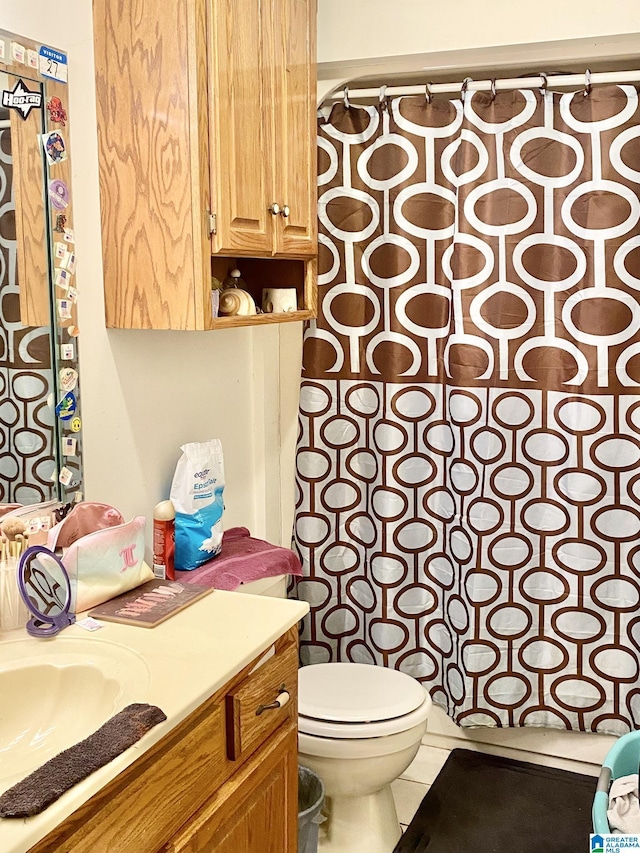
(428, 93)
(587, 82)
(493, 89)
(345, 92)
(382, 97)
(463, 90)
(545, 81)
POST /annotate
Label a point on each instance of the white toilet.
(360, 727)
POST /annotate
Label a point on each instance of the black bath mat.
(486, 804)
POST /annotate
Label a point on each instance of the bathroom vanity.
(215, 776)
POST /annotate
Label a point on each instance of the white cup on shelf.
(279, 300)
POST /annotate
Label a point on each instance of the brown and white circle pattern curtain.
(468, 479)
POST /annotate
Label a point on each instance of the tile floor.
(414, 783)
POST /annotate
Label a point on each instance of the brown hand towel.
(43, 787)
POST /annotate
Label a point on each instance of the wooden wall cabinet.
(187, 794)
(206, 129)
(263, 122)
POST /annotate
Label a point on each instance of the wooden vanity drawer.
(249, 718)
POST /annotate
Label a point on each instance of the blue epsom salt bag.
(196, 493)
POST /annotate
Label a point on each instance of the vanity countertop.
(188, 658)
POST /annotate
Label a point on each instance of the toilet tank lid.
(356, 692)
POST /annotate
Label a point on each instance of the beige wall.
(377, 39)
(146, 393)
(357, 29)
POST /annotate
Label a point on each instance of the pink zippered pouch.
(103, 563)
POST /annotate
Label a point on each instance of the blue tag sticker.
(67, 406)
(52, 63)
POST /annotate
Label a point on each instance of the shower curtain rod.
(586, 79)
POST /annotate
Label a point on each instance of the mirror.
(46, 590)
(40, 425)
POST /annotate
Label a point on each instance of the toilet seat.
(351, 700)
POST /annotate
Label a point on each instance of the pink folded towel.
(243, 559)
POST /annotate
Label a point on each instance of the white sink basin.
(54, 693)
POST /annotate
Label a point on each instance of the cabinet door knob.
(285, 210)
(275, 208)
(281, 700)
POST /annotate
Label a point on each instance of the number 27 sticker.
(53, 63)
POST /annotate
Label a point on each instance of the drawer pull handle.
(281, 700)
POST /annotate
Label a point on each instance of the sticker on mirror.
(57, 112)
(54, 147)
(68, 378)
(69, 446)
(64, 309)
(68, 262)
(21, 99)
(65, 476)
(63, 279)
(53, 63)
(67, 406)
(58, 194)
(18, 52)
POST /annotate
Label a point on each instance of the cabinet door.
(295, 128)
(255, 811)
(241, 126)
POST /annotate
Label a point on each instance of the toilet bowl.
(359, 728)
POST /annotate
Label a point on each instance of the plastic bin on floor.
(310, 800)
(622, 760)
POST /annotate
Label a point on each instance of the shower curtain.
(468, 480)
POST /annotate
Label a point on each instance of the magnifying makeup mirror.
(46, 590)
